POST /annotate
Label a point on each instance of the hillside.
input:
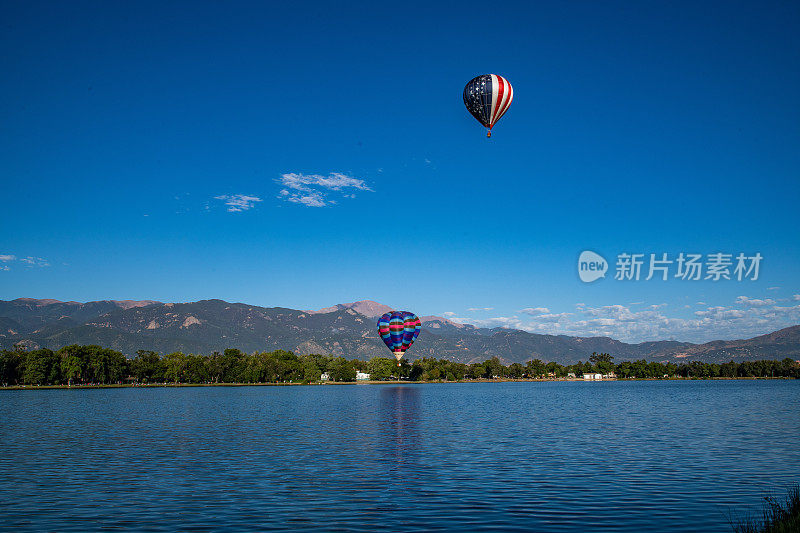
(345, 329)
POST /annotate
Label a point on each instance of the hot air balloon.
(398, 329)
(487, 98)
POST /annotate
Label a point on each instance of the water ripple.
(622, 456)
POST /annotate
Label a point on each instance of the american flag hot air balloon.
(487, 98)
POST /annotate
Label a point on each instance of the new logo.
(591, 266)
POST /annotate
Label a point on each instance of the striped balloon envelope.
(399, 329)
(487, 98)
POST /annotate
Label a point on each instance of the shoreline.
(367, 382)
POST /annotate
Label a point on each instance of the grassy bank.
(364, 382)
(776, 516)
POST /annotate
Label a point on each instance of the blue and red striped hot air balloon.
(399, 329)
(487, 98)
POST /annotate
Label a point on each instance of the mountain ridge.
(344, 329)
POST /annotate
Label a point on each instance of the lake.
(549, 456)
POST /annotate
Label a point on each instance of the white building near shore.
(361, 376)
(592, 377)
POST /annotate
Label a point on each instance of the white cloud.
(238, 202)
(552, 317)
(480, 308)
(35, 261)
(496, 322)
(533, 311)
(773, 288)
(314, 199)
(335, 181)
(448, 314)
(721, 313)
(653, 323)
(752, 302)
(29, 261)
(796, 297)
(312, 190)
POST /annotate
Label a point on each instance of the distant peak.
(368, 308)
(34, 301)
(443, 320)
(124, 304)
(129, 304)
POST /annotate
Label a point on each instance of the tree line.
(80, 365)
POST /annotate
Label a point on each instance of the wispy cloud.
(754, 302)
(533, 311)
(746, 317)
(28, 261)
(553, 317)
(311, 199)
(512, 322)
(480, 309)
(237, 203)
(35, 261)
(314, 190)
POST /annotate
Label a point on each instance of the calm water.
(621, 456)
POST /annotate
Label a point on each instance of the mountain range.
(344, 329)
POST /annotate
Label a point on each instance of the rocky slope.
(344, 329)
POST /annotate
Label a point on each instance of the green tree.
(197, 370)
(515, 370)
(230, 366)
(535, 368)
(790, 368)
(311, 372)
(41, 367)
(71, 366)
(147, 367)
(416, 371)
(493, 368)
(382, 368)
(476, 371)
(554, 368)
(12, 363)
(342, 370)
(118, 366)
(174, 367)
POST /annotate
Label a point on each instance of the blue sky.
(305, 154)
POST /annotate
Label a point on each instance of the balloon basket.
(489, 134)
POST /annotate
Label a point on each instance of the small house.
(592, 377)
(361, 376)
